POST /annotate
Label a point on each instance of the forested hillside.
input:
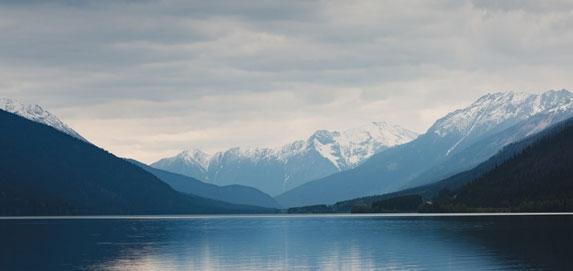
(46, 172)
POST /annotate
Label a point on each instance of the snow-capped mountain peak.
(36, 113)
(196, 156)
(348, 148)
(495, 108)
(386, 133)
(496, 111)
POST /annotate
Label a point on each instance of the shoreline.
(234, 216)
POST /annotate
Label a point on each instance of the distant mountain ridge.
(236, 194)
(484, 127)
(275, 170)
(36, 113)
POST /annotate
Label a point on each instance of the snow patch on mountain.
(326, 151)
(358, 144)
(36, 113)
(195, 156)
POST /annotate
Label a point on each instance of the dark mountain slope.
(523, 133)
(508, 152)
(46, 172)
(236, 194)
(538, 179)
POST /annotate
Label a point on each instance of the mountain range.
(457, 142)
(276, 170)
(48, 168)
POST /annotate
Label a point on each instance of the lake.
(343, 242)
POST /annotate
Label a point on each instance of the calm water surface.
(289, 243)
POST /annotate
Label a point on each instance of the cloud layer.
(146, 79)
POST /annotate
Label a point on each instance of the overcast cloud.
(146, 79)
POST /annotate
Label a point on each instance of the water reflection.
(292, 243)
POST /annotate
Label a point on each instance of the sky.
(147, 79)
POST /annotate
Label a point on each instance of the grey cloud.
(183, 67)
